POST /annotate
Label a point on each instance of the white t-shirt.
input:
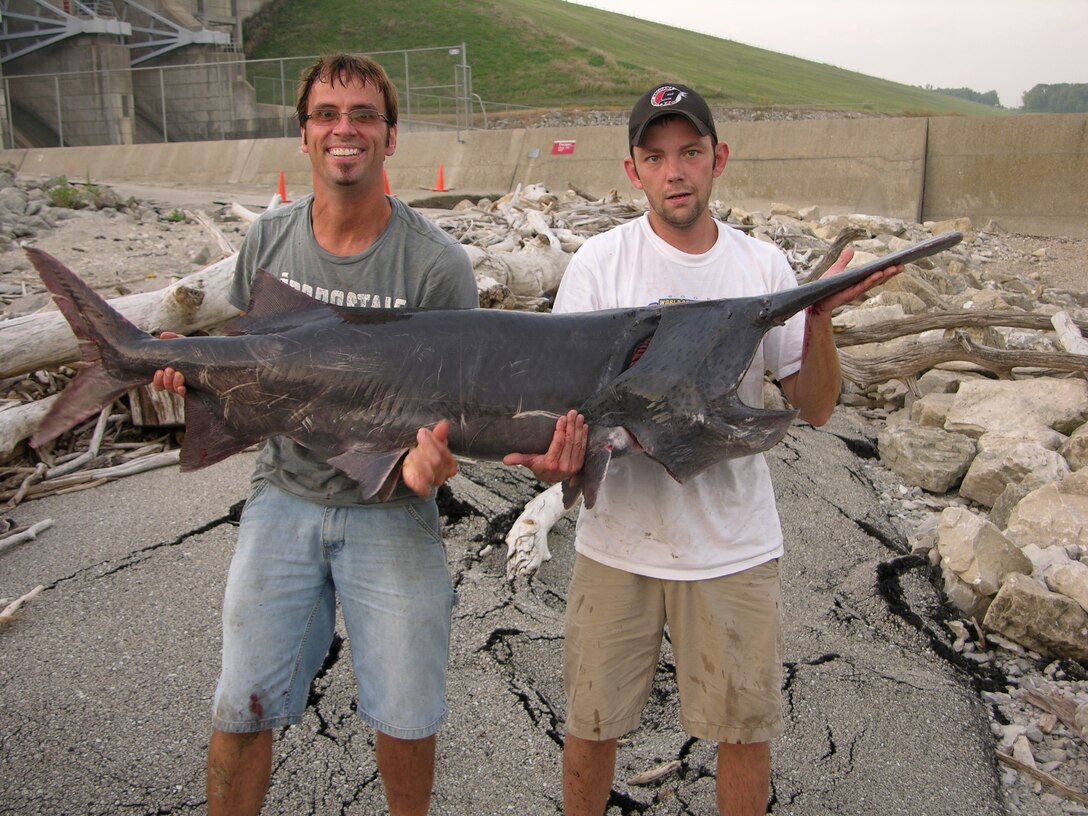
(724, 520)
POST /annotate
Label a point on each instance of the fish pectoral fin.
(376, 473)
(572, 489)
(602, 444)
(208, 437)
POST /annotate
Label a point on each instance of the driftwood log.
(20, 420)
(919, 355)
(527, 274)
(1070, 336)
(1044, 777)
(21, 535)
(75, 464)
(95, 476)
(527, 541)
(194, 303)
(7, 615)
(891, 329)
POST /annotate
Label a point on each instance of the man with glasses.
(305, 535)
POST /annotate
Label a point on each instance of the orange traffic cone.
(385, 181)
(440, 186)
(283, 190)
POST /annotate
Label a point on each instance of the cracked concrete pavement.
(106, 677)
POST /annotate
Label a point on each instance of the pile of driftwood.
(520, 244)
(33, 372)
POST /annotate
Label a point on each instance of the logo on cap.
(666, 95)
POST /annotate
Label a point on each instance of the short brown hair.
(345, 67)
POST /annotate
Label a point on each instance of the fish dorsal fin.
(274, 306)
(268, 295)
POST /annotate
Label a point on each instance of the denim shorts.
(293, 558)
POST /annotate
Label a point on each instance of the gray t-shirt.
(411, 264)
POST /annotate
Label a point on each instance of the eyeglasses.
(357, 117)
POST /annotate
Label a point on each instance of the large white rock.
(913, 283)
(944, 381)
(1049, 623)
(977, 551)
(1007, 438)
(993, 469)
(1075, 449)
(960, 224)
(872, 224)
(930, 458)
(992, 405)
(1054, 515)
(1071, 580)
(963, 596)
(911, 304)
(980, 300)
(1080, 719)
(931, 411)
(866, 315)
(1043, 559)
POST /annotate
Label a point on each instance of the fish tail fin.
(101, 332)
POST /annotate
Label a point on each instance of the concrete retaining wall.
(1029, 173)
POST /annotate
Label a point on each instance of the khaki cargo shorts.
(726, 640)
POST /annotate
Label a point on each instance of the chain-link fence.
(223, 98)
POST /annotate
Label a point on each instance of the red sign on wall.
(562, 146)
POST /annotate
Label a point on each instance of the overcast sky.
(1008, 46)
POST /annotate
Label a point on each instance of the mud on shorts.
(293, 558)
(726, 641)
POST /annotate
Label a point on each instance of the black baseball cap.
(670, 99)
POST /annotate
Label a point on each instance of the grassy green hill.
(550, 53)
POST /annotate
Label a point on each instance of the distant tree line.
(988, 98)
(1065, 97)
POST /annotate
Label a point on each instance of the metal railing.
(224, 98)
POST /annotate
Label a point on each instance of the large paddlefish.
(358, 384)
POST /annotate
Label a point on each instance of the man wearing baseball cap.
(700, 557)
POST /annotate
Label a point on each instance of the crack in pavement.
(540, 710)
(139, 556)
